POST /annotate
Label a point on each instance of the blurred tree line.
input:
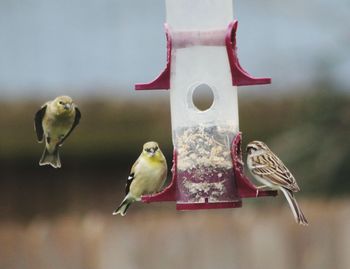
(311, 134)
(309, 131)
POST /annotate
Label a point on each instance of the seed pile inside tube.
(204, 147)
(204, 163)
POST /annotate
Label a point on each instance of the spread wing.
(38, 120)
(75, 123)
(131, 177)
(270, 167)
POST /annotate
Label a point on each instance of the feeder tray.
(207, 161)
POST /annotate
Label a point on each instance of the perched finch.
(147, 176)
(268, 169)
(53, 124)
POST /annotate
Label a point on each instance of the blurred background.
(95, 51)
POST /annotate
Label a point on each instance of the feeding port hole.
(202, 97)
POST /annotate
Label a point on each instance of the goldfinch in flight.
(53, 123)
(147, 176)
(268, 169)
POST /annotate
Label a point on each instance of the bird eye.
(155, 149)
(61, 103)
(250, 149)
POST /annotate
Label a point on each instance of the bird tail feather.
(123, 207)
(52, 159)
(296, 210)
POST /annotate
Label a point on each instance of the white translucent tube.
(202, 138)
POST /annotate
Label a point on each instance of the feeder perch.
(207, 162)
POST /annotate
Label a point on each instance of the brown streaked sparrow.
(268, 169)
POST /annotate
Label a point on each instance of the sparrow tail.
(52, 159)
(296, 210)
(123, 207)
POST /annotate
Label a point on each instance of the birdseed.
(204, 164)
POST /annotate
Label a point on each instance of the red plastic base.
(244, 187)
(196, 206)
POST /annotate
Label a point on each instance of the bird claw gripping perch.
(207, 161)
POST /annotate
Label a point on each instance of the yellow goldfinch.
(53, 123)
(268, 169)
(147, 176)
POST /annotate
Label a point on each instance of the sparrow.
(269, 170)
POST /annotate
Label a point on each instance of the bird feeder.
(207, 161)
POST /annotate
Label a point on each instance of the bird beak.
(67, 106)
(152, 152)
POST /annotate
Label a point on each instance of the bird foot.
(240, 162)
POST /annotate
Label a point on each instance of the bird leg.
(259, 188)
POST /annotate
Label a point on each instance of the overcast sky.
(79, 46)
